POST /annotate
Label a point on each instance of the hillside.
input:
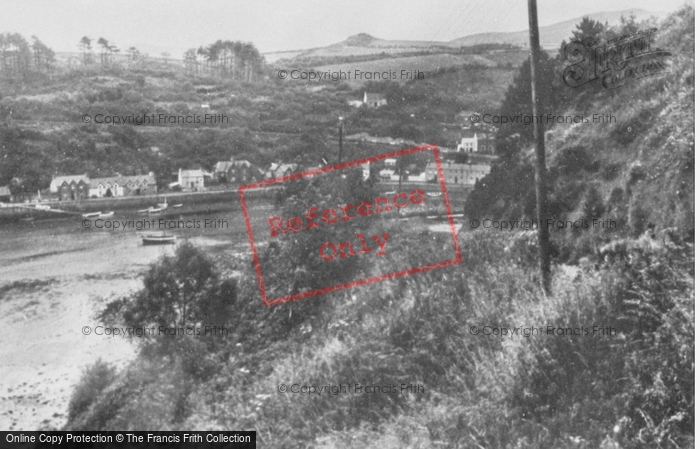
(427, 65)
(364, 44)
(638, 164)
(604, 361)
(551, 36)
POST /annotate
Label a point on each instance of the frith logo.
(615, 62)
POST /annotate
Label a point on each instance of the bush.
(94, 380)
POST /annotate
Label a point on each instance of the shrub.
(638, 219)
(94, 380)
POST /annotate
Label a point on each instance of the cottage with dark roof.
(238, 171)
(278, 170)
(71, 187)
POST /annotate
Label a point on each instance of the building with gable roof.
(123, 186)
(460, 174)
(482, 143)
(374, 100)
(70, 187)
(238, 171)
(191, 179)
(277, 170)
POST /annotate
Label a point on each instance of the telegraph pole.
(540, 164)
(340, 139)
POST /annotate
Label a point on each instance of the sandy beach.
(54, 279)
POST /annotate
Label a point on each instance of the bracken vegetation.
(628, 388)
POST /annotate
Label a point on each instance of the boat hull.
(167, 240)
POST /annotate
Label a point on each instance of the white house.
(461, 174)
(478, 143)
(191, 179)
(123, 185)
(374, 100)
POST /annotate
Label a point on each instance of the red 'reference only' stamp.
(329, 240)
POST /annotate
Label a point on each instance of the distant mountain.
(552, 35)
(363, 44)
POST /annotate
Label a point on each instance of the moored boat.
(106, 215)
(92, 215)
(158, 239)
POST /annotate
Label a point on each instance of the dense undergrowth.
(635, 385)
(628, 384)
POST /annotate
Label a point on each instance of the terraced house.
(123, 186)
(71, 187)
(461, 174)
(77, 187)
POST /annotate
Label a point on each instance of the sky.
(277, 25)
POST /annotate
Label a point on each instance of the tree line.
(18, 57)
(226, 59)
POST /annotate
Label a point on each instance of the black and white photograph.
(347, 225)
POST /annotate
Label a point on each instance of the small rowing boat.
(158, 239)
(177, 205)
(92, 215)
(106, 215)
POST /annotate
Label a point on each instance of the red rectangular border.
(316, 171)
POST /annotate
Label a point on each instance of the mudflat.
(54, 279)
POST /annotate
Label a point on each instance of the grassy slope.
(652, 140)
(636, 387)
(640, 163)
